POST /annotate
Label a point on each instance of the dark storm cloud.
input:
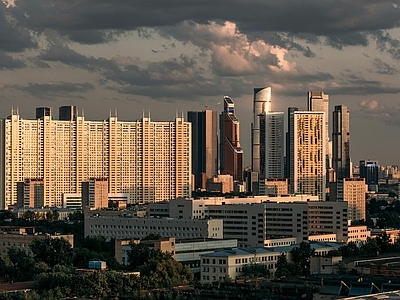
(87, 21)
(51, 91)
(383, 68)
(352, 84)
(13, 38)
(8, 62)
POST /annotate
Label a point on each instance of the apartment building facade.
(151, 161)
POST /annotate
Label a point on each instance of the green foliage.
(301, 256)
(370, 248)
(76, 216)
(285, 268)
(254, 270)
(18, 266)
(158, 269)
(52, 251)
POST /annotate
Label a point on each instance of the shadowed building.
(67, 113)
(204, 145)
(341, 142)
(231, 153)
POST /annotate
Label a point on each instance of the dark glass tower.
(341, 142)
(204, 145)
(67, 113)
(43, 111)
(231, 153)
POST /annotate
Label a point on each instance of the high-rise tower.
(204, 145)
(261, 105)
(307, 153)
(272, 145)
(291, 110)
(318, 101)
(231, 153)
(341, 142)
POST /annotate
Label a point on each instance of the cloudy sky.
(168, 57)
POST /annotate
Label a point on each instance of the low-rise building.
(185, 251)
(126, 226)
(229, 263)
(358, 234)
(22, 237)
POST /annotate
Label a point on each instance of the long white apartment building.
(151, 161)
(125, 226)
(229, 263)
(254, 221)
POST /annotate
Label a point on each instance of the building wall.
(149, 160)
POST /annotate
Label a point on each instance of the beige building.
(276, 186)
(149, 160)
(353, 191)
(95, 193)
(220, 183)
(308, 153)
(358, 234)
(22, 237)
(30, 193)
(126, 226)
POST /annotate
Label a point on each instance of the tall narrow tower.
(318, 101)
(341, 142)
(231, 153)
(307, 153)
(261, 105)
(204, 145)
(272, 145)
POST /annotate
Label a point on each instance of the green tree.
(52, 251)
(384, 242)
(370, 248)
(350, 249)
(254, 270)
(301, 256)
(21, 267)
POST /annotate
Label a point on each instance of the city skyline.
(171, 57)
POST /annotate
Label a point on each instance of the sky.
(132, 58)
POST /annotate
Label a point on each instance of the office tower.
(149, 160)
(67, 113)
(369, 169)
(318, 101)
(43, 111)
(272, 145)
(231, 153)
(341, 142)
(307, 153)
(261, 104)
(291, 110)
(95, 193)
(204, 145)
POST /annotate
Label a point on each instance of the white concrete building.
(230, 262)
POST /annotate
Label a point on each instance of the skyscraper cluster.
(45, 159)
